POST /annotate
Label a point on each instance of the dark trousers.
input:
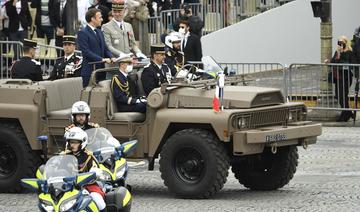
(43, 31)
(342, 86)
(18, 36)
(139, 107)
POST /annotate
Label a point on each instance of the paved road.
(328, 179)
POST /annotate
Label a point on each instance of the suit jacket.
(93, 49)
(192, 50)
(23, 18)
(27, 68)
(152, 77)
(37, 4)
(57, 19)
(119, 40)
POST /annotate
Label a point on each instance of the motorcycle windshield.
(101, 140)
(59, 167)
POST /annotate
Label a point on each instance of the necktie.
(121, 26)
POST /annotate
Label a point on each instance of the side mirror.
(129, 147)
(85, 178)
(32, 183)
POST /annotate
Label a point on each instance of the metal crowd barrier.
(324, 86)
(261, 74)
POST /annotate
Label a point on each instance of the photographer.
(195, 22)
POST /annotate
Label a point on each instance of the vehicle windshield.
(59, 167)
(101, 140)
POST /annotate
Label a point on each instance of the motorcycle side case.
(115, 200)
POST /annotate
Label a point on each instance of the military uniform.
(26, 67)
(125, 102)
(66, 68)
(154, 75)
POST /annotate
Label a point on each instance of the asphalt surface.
(327, 179)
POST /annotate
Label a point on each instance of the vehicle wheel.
(194, 164)
(17, 160)
(267, 171)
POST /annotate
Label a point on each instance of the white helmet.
(76, 133)
(172, 37)
(80, 107)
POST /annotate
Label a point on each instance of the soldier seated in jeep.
(123, 89)
(80, 116)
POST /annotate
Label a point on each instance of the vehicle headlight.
(296, 115)
(120, 171)
(243, 122)
(105, 176)
(47, 206)
(67, 205)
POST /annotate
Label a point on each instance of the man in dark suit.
(27, 67)
(70, 64)
(19, 21)
(121, 89)
(91, 43)
(57, 14)
(157, 72)
(190, 44)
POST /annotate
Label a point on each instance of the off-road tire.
(267, 171)
(13, 138)
(214, 161)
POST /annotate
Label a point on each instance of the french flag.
(219, 93)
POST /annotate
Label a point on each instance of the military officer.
(70, 64)
(157, 72)
(119, 35)
(121, 89)
(27, 67)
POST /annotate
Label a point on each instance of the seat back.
(53, 101)
(62, 93)
(111, 106)
(140, 87)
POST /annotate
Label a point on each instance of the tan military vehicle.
(257, 133)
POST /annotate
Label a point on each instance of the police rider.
(80, 116)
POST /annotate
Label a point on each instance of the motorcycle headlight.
(67, 205)
(120, 171)
(47, 206)
(105, 176)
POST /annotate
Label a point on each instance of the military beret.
(30, 43)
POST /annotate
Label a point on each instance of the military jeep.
(257, 133)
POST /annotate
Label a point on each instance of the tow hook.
(305, 144)
(274, 148)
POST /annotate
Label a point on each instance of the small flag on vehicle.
(219, 92)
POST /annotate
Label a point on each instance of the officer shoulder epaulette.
(95, 125)
(36, 62)
(69, 127)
